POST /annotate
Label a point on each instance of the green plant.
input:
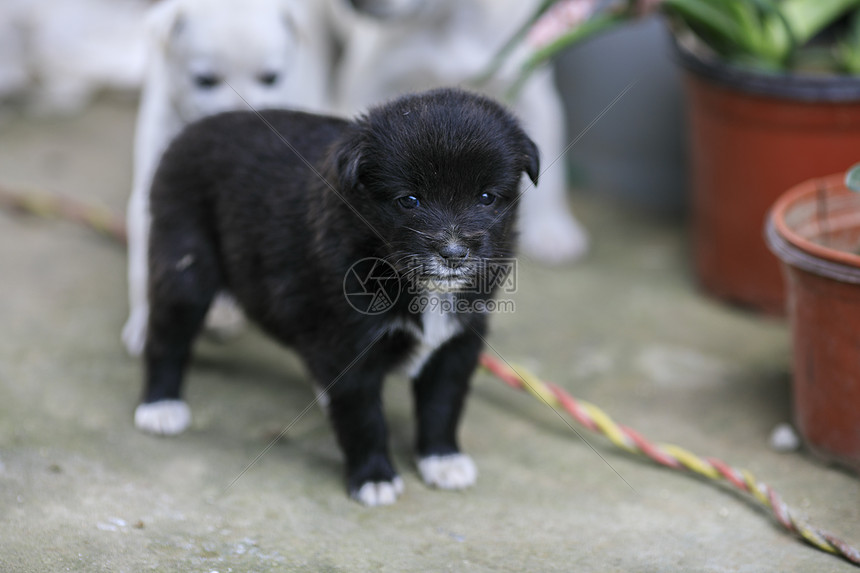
(771, 35)
(765, 33)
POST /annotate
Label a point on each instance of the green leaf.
(806, 18)
(852, 178)
(720, 19)
(499, 59)
(595, 25)
(847, 50)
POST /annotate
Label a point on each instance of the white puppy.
(205, 57)
(397, 46)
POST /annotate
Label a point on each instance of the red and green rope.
(594, 419)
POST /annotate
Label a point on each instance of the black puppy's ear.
(531, 157)
(347, 163)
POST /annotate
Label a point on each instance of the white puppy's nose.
(239, 100)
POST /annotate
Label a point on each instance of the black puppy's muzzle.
(454, 253)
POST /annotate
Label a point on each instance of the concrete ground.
(82, 490)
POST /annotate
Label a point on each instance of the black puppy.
(350, 241)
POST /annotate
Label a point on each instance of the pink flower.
(560, 19)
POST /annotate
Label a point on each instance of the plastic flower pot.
(815, 230)
(751, 136)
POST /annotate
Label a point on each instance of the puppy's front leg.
(355, 408)
(440, 391)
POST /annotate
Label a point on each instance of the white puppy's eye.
(268, 78)
(206, 81)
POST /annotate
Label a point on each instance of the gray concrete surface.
(81, 490)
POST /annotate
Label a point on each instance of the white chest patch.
(438, 327)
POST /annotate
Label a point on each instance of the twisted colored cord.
(96, 217)
(593, 418)
(588, 415)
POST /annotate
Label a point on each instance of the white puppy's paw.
(453, 471)
(553, 238)
(225, 319)
(165, 417)
(134, 332)
(372, 494)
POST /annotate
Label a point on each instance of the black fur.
(235, 208)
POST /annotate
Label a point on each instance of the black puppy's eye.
(486, 199)
(206, 81)
(268, 78)
(408, 202)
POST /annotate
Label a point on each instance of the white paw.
(225, 319)
(553, 237)
(454, 471)
(166, 417)
(134, 332)
(372, 494)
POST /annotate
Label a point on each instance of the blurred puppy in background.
(55, 55)
(397, 46)
(206, 57)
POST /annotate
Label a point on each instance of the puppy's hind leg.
(184, 279)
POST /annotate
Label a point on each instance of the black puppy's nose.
(454, 253)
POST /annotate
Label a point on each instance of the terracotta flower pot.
(815, 230)
(751, 136)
